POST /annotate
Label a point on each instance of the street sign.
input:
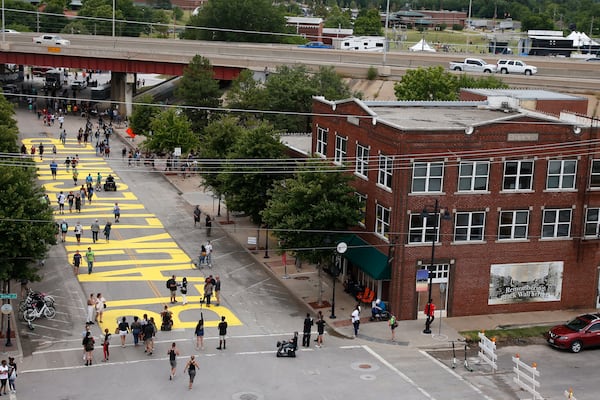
(6, 309)
(4, 296)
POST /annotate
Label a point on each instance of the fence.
(487, 351)
(527, 377)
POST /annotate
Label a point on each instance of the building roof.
(337, 31)
(304, 20)
(437, 115)
(525, 94)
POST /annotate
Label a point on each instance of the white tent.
(422, 46)
(581, 39)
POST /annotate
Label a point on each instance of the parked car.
(575, 335)
(79, 84)
(316, 45)
(515, 67)
(51, 40)
(473, 65)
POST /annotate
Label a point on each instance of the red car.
(581, 332)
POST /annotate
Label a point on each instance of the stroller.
(287, 348)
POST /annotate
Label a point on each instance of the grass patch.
(509, 334)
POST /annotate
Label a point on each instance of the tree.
(8, 127)
(26, 224)
(142, 114)
(537, 22)
(76, 27)
(368, 24)
(19, 13)
(488, 82)
(338, 19)
(432, 83)
(197, 88)
(245, 182)
(56, 21)
(246, 92)
(171, 129)
(305, 211)
(102, 13)
(236, 20)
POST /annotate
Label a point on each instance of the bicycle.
(37, 312)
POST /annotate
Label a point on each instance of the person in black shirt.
(222, 333)
(308, 323)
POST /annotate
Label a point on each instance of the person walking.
(105, 345)
(191, 368)
(41, 151)
(76, 262)
(70, 200)
(106, 231)
(100, 306)
(208, 290)
(197, 213)
(199, 333)
(136, 329)
(78, 231)
(123, 330)
(4, 368)
(53, 169)
(78, 202)
(217, 289)
(208, 223)
(64, 228)
(149, 331)
(355, 316)
(117, 212)
(308, 323)
(320, 329)
(75, 176)
(61, 198)
(209, 250)
(173, 353)
(393, 325)
(88, 347)
(91, 303)
(172, 286)
(222, 333)
(90, 257)
(184, 290)
(12, 374)
(95, 228)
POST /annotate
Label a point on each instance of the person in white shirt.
(356, 320)
(209, 250)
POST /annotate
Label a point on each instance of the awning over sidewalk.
(366, 257)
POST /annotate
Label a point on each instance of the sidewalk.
(304, 284)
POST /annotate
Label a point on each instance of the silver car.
(53, 40)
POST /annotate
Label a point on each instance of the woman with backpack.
(88, 347)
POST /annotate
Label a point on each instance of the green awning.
(366, 257)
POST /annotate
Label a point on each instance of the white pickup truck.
(515, 67)
(473, 65)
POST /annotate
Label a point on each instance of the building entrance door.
(439, 291)
(598, 290)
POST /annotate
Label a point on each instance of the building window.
(469, 226)
(473, 176)
(513, 225)
(362, 160)
(423, 229)
(427, 177)
(322, 135)
(382, 220)
(384, 175)
(556, 223)
(518, 175)
(341, 151)
(561, 174)
(595, 176)
(592, 223)
(362, 207)
(439, 272)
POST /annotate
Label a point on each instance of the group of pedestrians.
(307, 329)
(95, 308)
(89, 256)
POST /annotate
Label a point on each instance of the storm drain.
(247, 396)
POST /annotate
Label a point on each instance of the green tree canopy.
(305, 211)
(8, 127)
(23, 15)
(53, 19)
(338, 19)
(368, 23)
(124, 10)
(142, 114)
(432, 83)
(235, 20)
(251, 170)
(198, 88)
(171, 129)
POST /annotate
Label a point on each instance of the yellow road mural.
(140, 250)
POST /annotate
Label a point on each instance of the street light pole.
(436, 213)
(385, 42)
(267, 242)
(340, 249)
(113, 19)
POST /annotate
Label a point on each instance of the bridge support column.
(122, 87)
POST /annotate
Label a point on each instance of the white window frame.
(341, 149)
(385, 170)
(592, 220)
(362, 160)
(428, 178)
(595, 174)
(383, 217)
(518, 176)
(562, 175)
(551, 218)
(362, 199)
(473, 176)
(470, 229)
(513, 225)
(423, 228)
(322, 136)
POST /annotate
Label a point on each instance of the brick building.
(520, 190)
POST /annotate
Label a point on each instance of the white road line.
(450, 371)
(398, 372)
(229, 273)
(251, 286)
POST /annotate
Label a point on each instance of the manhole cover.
(247, 396)
(364, 366)
(367, 377)
(301, 278)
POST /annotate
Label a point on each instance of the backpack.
(169, 284)
(63, 226)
